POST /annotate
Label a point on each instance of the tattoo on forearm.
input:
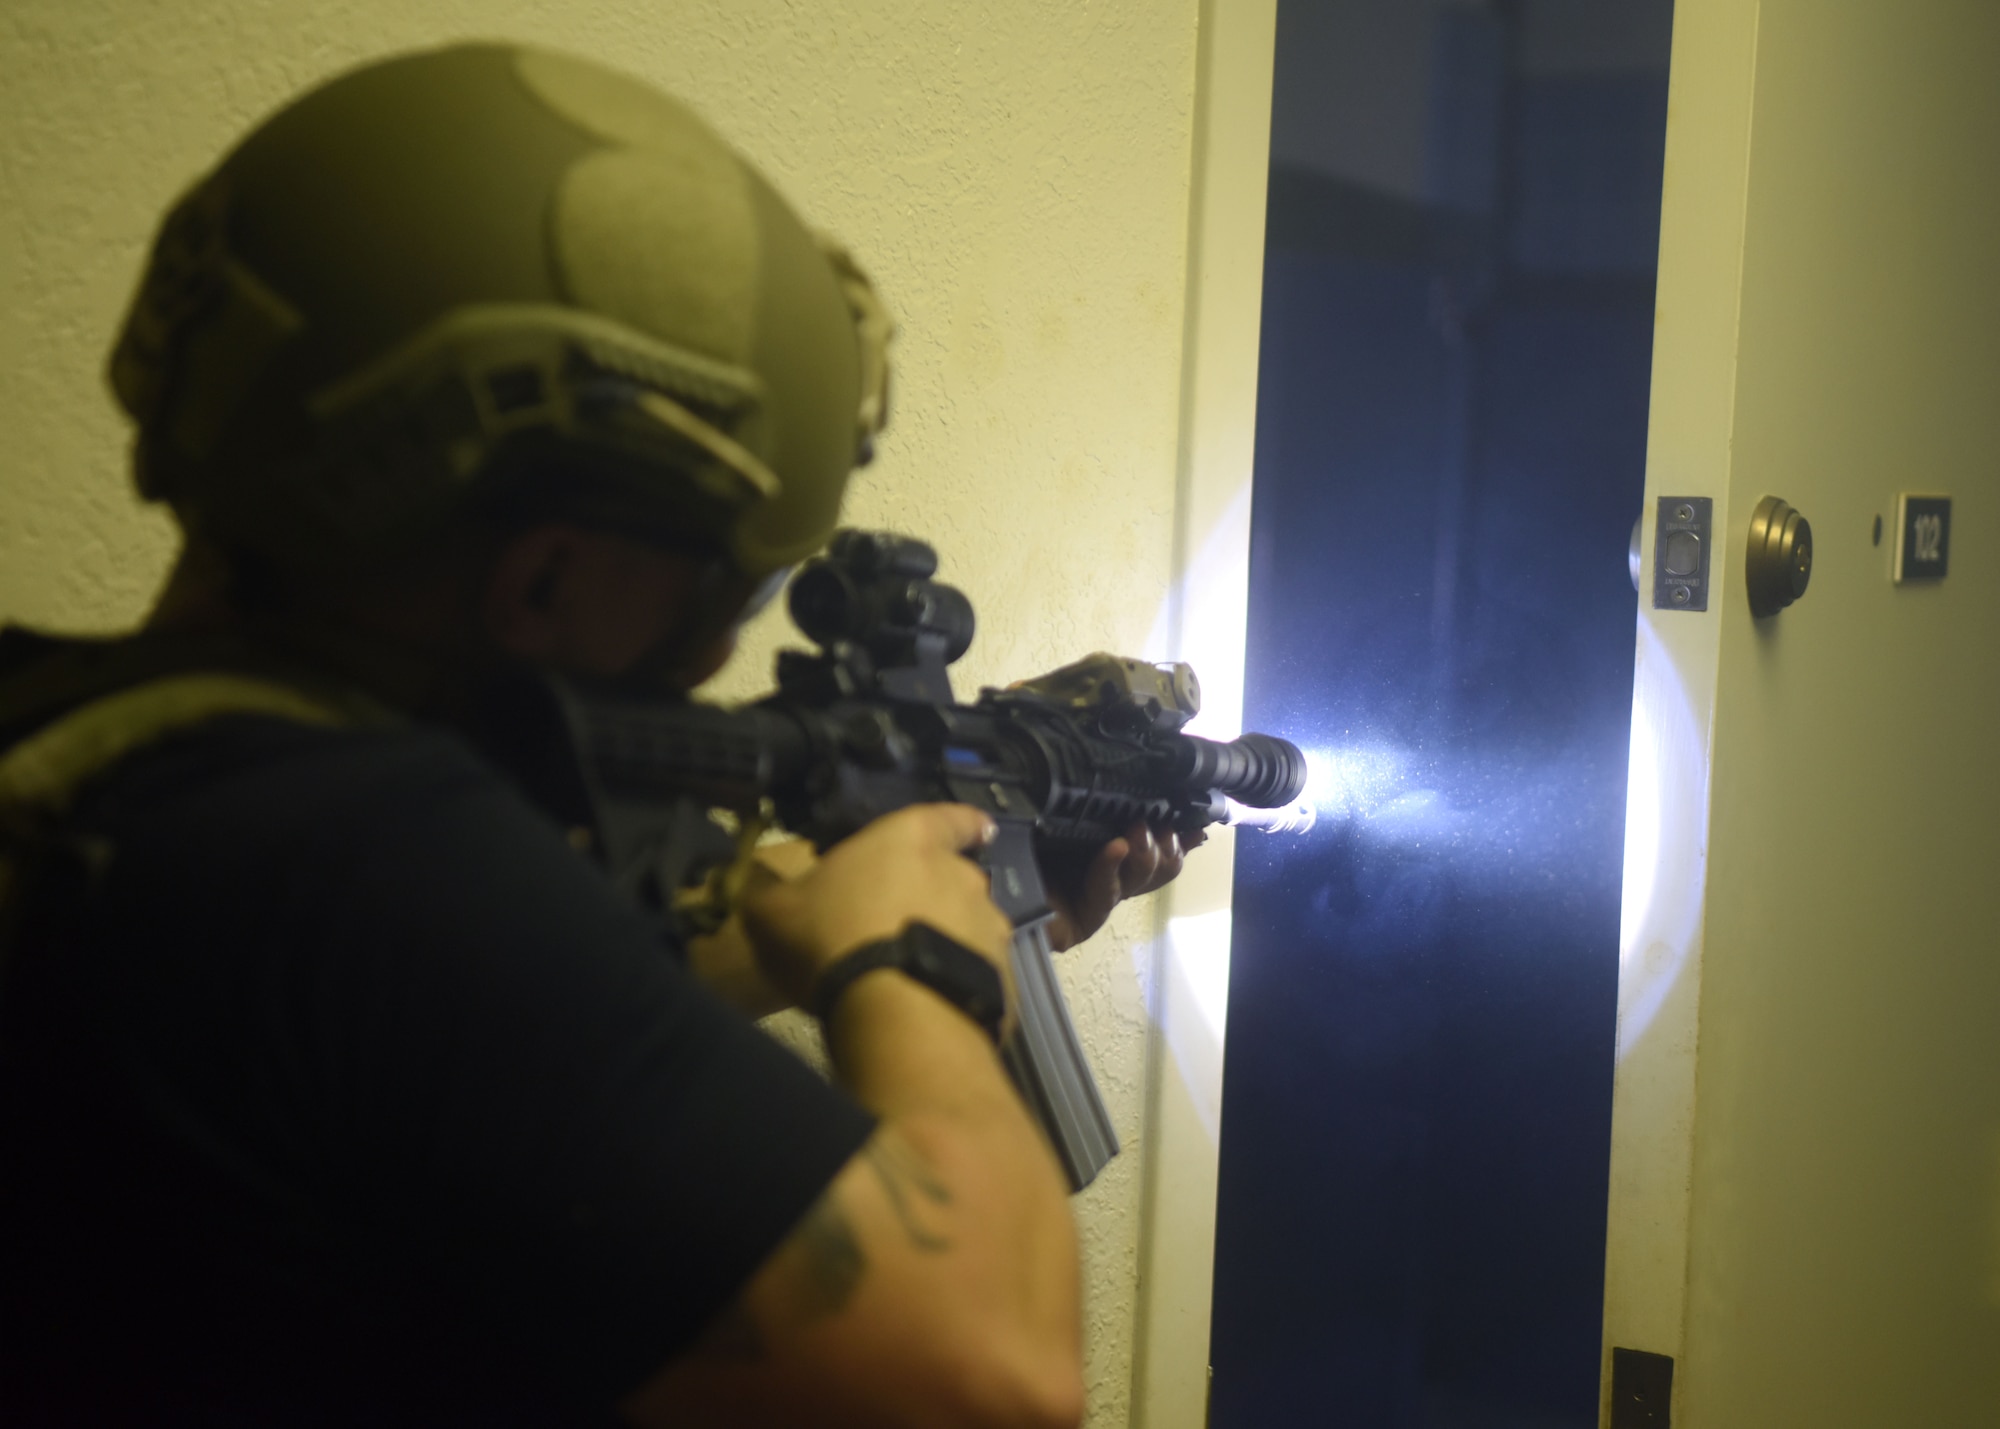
(913, 1189)
(826, 1252)
(832, 1257)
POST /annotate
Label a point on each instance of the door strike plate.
(1681, 553)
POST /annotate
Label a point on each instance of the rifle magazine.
(1047, 1064)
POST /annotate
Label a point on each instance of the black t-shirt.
(335, 1087)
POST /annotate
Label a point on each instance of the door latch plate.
(1681, 553)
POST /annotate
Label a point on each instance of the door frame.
(1189, 974)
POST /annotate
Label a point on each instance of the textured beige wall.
(1015, 176)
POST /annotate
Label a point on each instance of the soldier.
(335, 1086)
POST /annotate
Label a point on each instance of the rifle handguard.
(868, 725)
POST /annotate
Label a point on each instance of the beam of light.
(1666, 822)
(1297, 817)
(1196, 973)
(1203, 617)
(1353, 783)
(1184, 973)
(1642, 829)
(1376, 790)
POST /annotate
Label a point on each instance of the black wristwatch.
(947, 967)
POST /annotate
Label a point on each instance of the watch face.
(925, 961)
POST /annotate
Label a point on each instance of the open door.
(1804, 1216)
(1463, 215)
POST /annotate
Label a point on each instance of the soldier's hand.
(1145, 859)
(908, 867)
(724, 959)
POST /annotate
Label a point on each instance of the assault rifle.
(868, 724)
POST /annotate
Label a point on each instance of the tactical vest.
(71, 722)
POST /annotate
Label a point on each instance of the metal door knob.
(1780, 558)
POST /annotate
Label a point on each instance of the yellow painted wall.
(1016, 177)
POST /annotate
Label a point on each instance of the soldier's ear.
(526, 611)
(589, 602)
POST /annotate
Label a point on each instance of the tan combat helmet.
(483, 275)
